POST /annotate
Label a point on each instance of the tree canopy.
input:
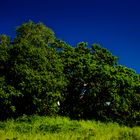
(40, 74)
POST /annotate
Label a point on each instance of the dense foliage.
(40, 74)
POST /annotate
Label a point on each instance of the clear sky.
(115, 24)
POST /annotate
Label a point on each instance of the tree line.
(41, 74)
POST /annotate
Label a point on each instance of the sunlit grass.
(62, 128)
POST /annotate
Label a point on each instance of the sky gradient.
(115, 24)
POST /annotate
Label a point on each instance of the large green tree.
(32, 71)
(97, 86)
(37, 71)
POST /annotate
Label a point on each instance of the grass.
(62, 128)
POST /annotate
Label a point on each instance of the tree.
(33, 70)
(103, 56)
(36, 34)
(37, 70)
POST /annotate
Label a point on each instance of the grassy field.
(61, 128)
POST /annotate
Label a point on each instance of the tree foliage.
(39, 71)
(32, 76)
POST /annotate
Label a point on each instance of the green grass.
(61, 128)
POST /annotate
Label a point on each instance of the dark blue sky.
(115, 24)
